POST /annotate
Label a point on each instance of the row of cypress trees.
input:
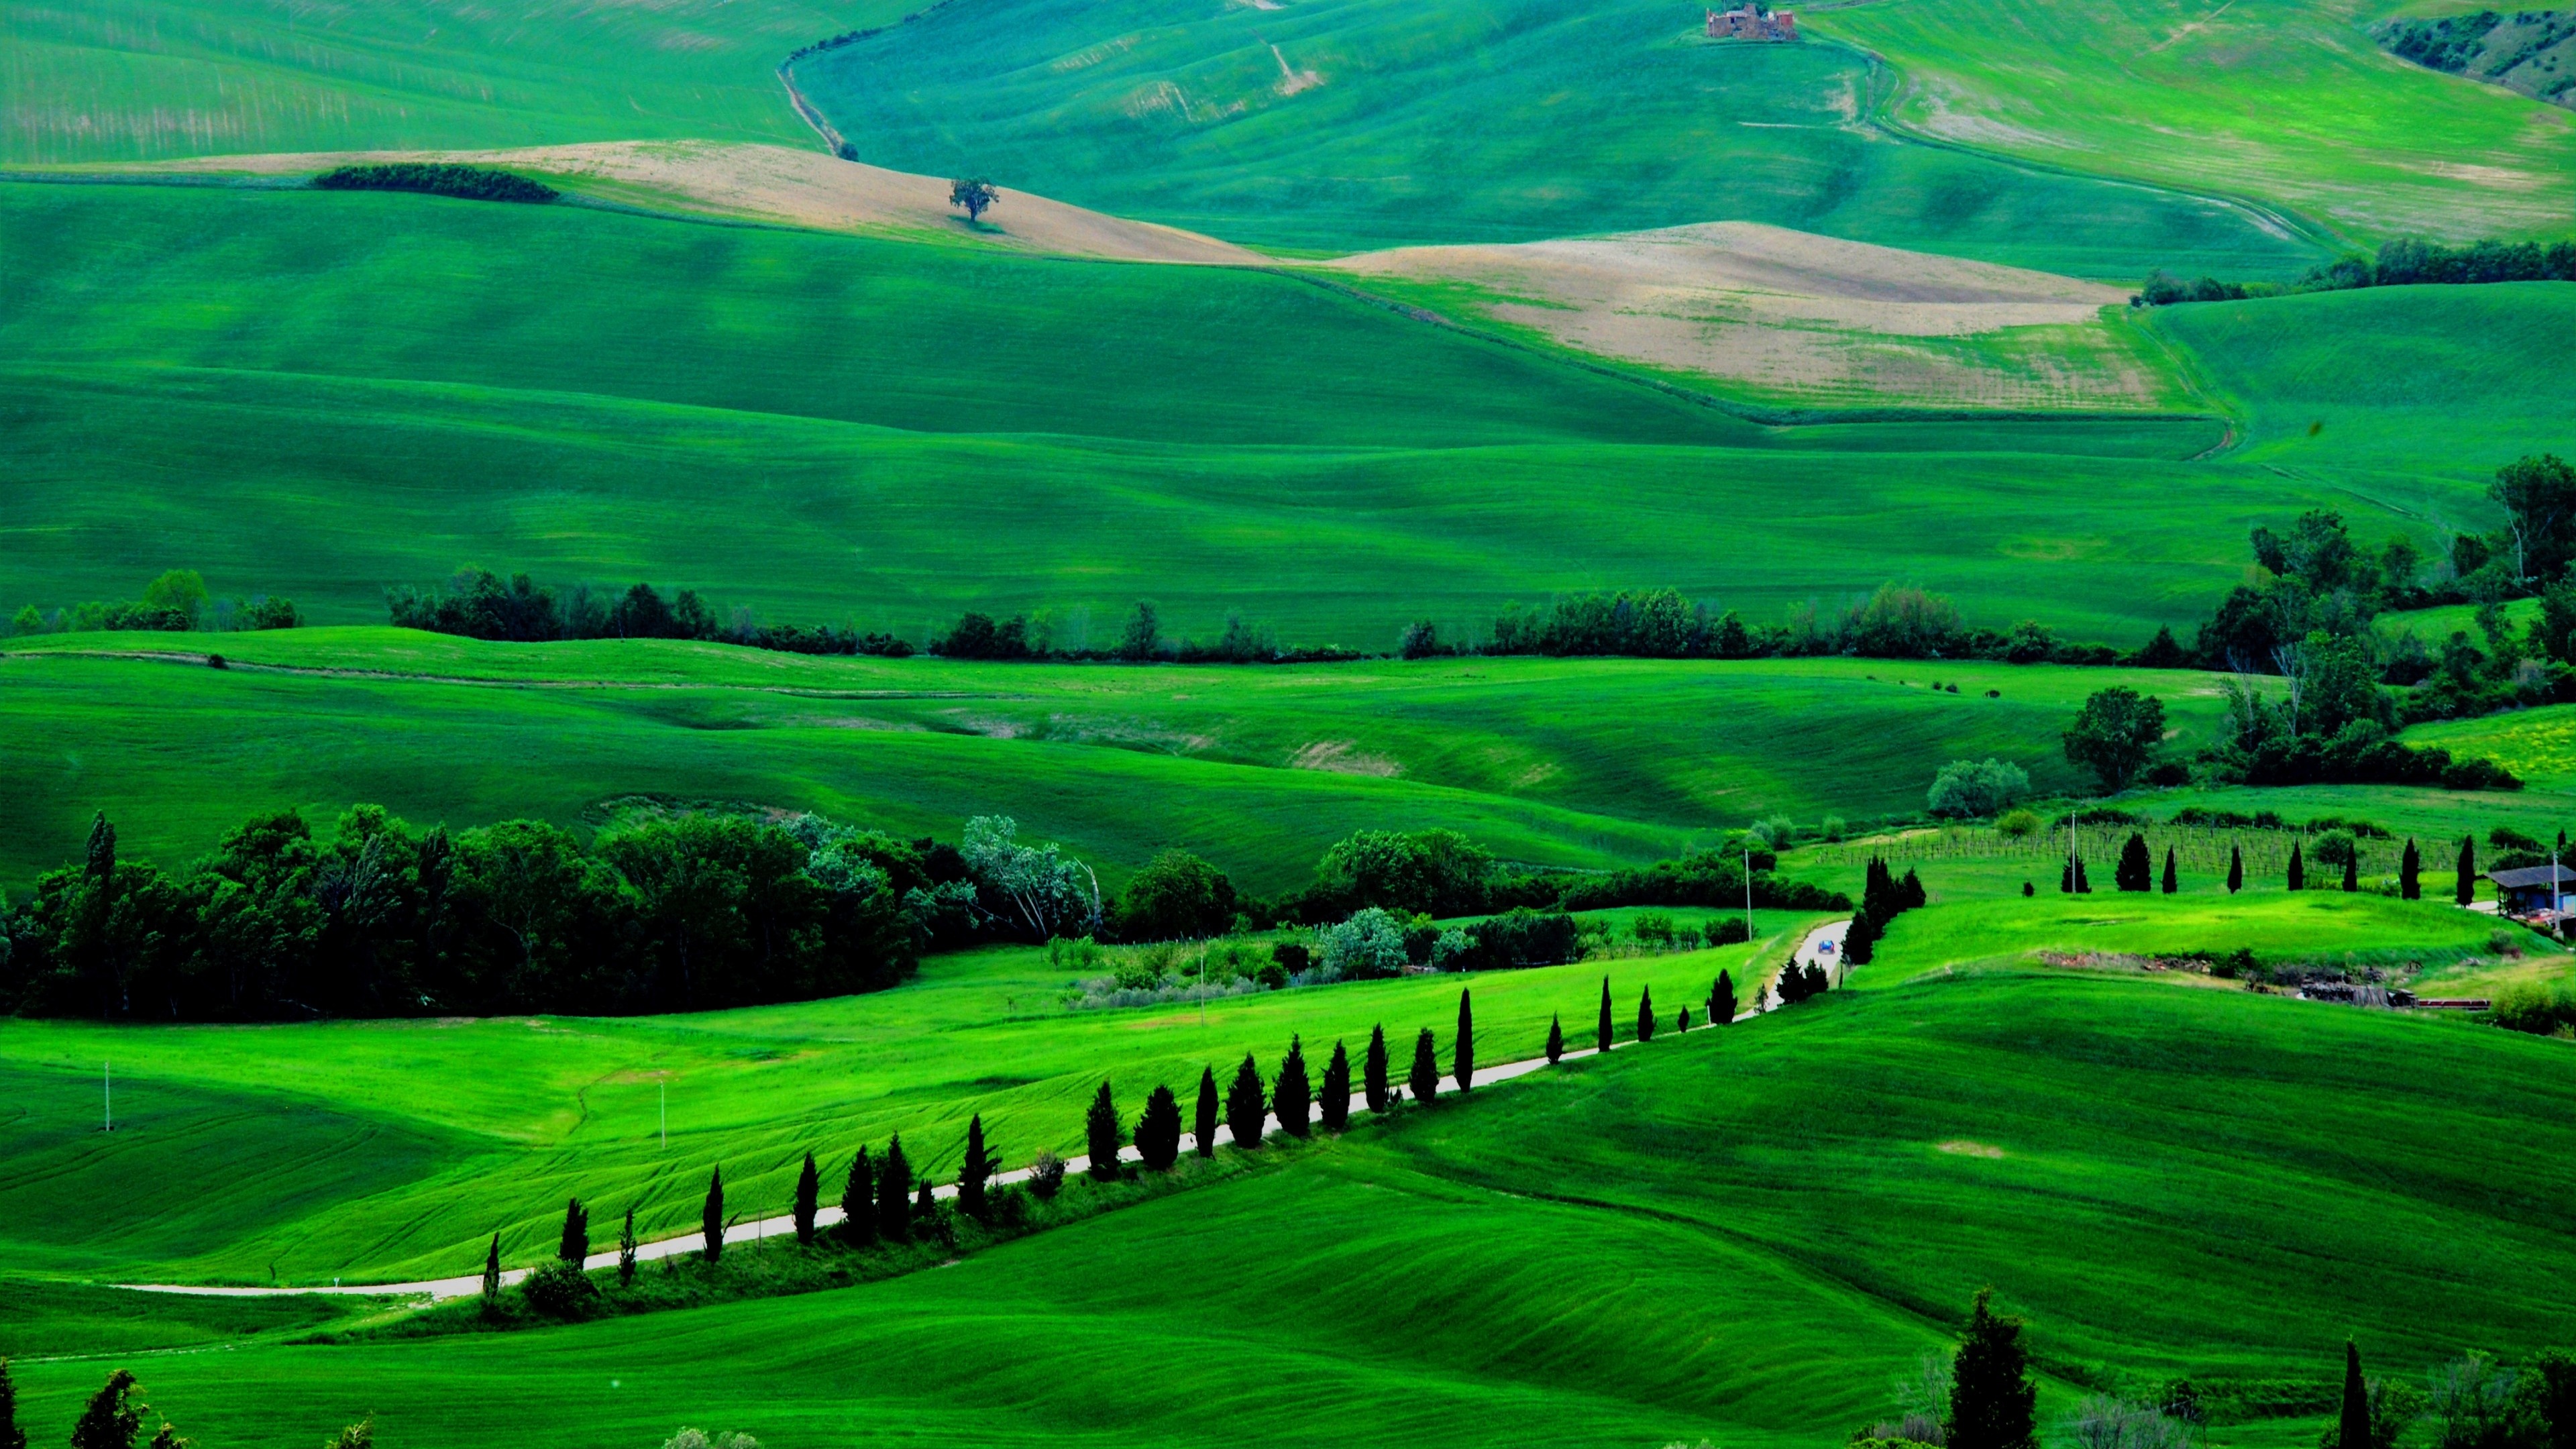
(2136, 872)
(1883, 898)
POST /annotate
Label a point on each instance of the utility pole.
(666, 1115)
(1748, 890)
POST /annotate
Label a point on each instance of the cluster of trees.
(1140, 641)
(1976, 789)
(1442, 873)
(472, 183)
(480, 604)
(1893, 622)
(674, 913)
(1883, 898)
(175, 602)
(113, 1419)
(2405, 262)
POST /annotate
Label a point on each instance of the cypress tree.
(1991, 1400)
(1336, 1104)
(574, 1246)
(1243, 1108)
(492, 1273)
(1721, 1000)
(1204, 1123)
(1292, 1099)
(1914, 894)
(1101, 1135)
(1373, 1070)
(2352, 871)
(2134, 872)
(1646, 1014)
(859, 1201)
(1462, 1053)
(625, 1257)
(1681, 1020)
(2298, 869)
(977, 1170)
(809, 1200)
(2235, 868)
(1425, 1081)
(2352, 1426)
(112, 1420)
(1158, 1132)
(1555, 1039)
(894, 1179)
(2072, 878)
(2173, 880)
(1860, 940)
(2410, 872)
(2467, 889)
(924, 1203)
(1602, 1036)
(711, 1223)
(11, 1436)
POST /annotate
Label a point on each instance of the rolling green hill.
(128, 80)
(1350, 123)
(1741, 1236)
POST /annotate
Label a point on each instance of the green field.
(1576, 762)
(1740, 1235)
(1505, 123)
(127, 80)
(2287, 101)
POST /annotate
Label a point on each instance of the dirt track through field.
(1818, 945)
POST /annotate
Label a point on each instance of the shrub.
(560, 1291)
(1046, 1175)
(2016, 824)
(1971, 789)
(471, 183)
(1367, 946)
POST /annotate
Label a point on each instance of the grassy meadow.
(1742, 1235)
(1356, 123)
(2289, 102)
(132, 80)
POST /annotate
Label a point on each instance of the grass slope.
(387, 1151)
(1349, 123)
(125, 80)
(1581, 762)
(2290, 101)
(1740, 1236)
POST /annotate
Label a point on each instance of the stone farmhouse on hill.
(1752, 21)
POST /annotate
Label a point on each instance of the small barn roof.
(2524, 877)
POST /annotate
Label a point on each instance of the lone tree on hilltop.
(1373, 1070)
(2235, 869)
(2114, 734)
(1425, 1081)
(1555, 1039)
(2410, 872)
(1601, 1035)
(711, 1222)
(1203, 1122)
(1336, 1103)
(573, 1247)
(1293, 1099)
(1158, 1132)
(1243, 1106)
(809, 1199)
(2173, 878)
(1462, 1053)
(973, 194)
(112, 1418)
(1100, 1136)
(894, 1179)
(976, 1172)
(2352, 1426)
(1646, 1014)
(859, 1201)
(1721, 1000)
(11, 1436)
(2467, 889)
(2298, 876)
(1991, 1397)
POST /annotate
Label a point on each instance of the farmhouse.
(2535, 892)
(1752, 20)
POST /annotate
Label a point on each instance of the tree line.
(176, 602)
(2404, 262)
(438, 178)
(479, 604)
